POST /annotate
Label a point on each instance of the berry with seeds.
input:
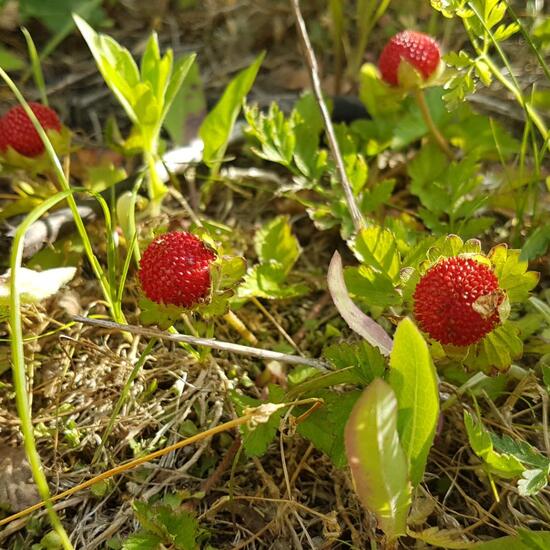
(3, 142)
(19, 132)
(175, 269)
(418, 49)
(457, 301)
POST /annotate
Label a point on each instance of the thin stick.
(311, 62)
(433, 129)
(208, 342)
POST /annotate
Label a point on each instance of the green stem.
(60, 174)
(123, 396)
(19, 369)
(157, 189)
(434, 131)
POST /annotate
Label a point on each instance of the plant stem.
(123, 396)
(434, 131)
(208, 342)
(24, 409)
(311, 62)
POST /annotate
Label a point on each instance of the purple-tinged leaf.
(369, 329)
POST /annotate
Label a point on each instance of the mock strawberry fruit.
(3, 142)
(457, 301)
(418, 49)
(175, 269)
(19, 132)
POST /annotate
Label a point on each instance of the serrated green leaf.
(497, 350)
(325, 426)
(373, 287)
(504, 465)
(525, 453)
(366, 359)
(274, 242)
(157, 314)
(533, 481)
(512, 273)
(142, 540)
(413, 379)
(257, 440)
(377, 248)
(376, 196)
(378, 464)
(180, 526)
(218, 124)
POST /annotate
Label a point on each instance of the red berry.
(419, 49)
(456, 301)
(3, 141)
(20, 133)
(175, 269)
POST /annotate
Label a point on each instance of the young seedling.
(411, 60)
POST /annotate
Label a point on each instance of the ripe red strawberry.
(418, 49)
(456, 301)
(175, 269)
(20, 133)
(3, 141)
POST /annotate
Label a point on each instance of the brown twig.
(311, 62)
(208, 342)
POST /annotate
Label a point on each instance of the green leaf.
(525, 540)
(525, 453)
(181, 527)
(512, 273)
(274, 242)
(379, 98)
(184, 102)
(366, 359)
(536, 244)
(377, 248)
(177, 78)
(497, 350)
(413, 378)
(257, 440)
(373, 287)
(56, 14)
(115, 64)
(533, 481)
(504, 465)
(217, 126)
(10, 61)
(378, 464)
(142, 540)
(269, 281)
(325, 426)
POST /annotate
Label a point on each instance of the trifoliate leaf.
(367, 360)
(325, 426)
(35, 286)
(377, 248)
(496, 351)
(504, 465)
(512, 273)
(257, 440)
